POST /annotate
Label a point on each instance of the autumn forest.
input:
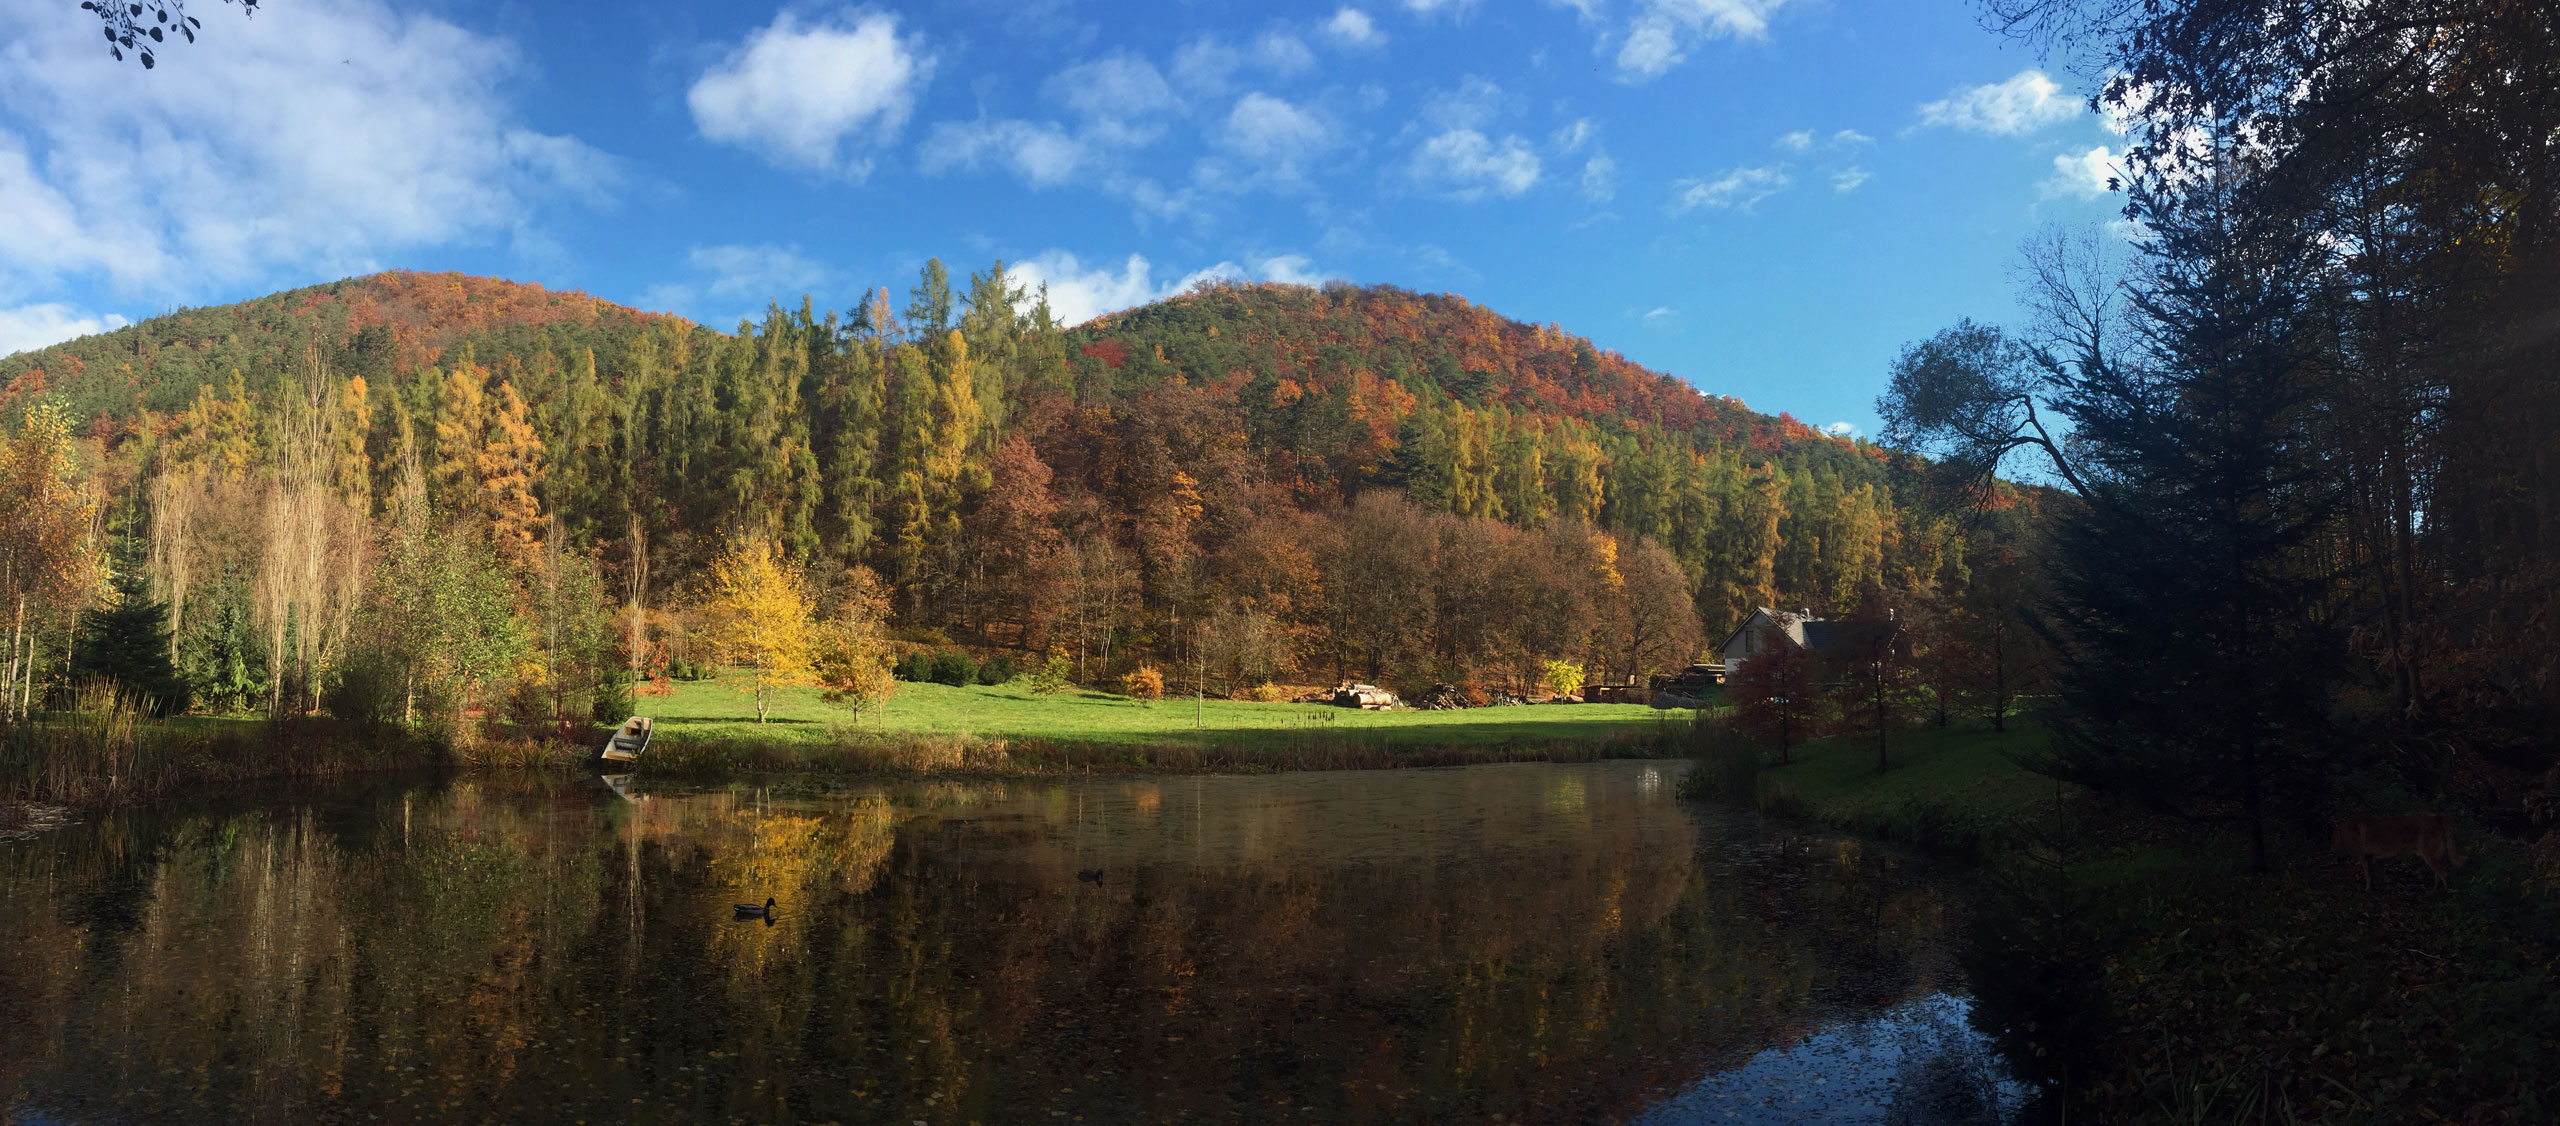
(486, 491)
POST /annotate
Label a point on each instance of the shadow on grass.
(748, 719)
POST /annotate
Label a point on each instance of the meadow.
(723, 708)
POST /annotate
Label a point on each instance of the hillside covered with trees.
(525, 491)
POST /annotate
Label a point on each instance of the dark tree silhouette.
(1774, 694)
(147, 25)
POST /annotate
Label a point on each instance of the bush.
(1269, 693)
(954, 668)
(614, 701)
(997, 670)
(914, 667)
(366, 690)
(1054, 675)
(1143, 683)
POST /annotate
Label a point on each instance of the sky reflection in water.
(1522, 943)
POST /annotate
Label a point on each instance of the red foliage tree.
(1775, 698)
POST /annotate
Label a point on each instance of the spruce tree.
(127, 641)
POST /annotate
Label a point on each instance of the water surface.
(1515, 943)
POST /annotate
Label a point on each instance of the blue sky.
(1766, 197)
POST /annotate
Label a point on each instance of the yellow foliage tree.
(457, 441)
(758, 618)
(49, 566)
(510, 461)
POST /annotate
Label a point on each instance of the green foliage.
(126, 642)
(445, 605)
(614, 700)
(1054, 674)
(370, 688)
(998, 669)
(953, 667)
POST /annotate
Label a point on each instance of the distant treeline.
(1181, 485)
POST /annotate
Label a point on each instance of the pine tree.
(126, 640)
(929, 303)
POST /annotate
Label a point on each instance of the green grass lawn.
(1082, 715)
(1958, 786)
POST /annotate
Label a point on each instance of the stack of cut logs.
(1368, 696)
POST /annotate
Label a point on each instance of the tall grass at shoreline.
(105, 751)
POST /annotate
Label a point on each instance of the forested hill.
(1016, 482)
(375, 326)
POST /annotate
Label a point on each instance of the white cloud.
(1467, 165)
(1078, 294)
(2025, 102)
(1844, 430)
(29, 327)
(1472, 104)
(1277, 137)
(1848, 179)
(1351, 27)
(312, 141)
(1600, 179)
(1662, 318)
(1438, 7)
(1121, 89)
(1041, 153)
(1799, 141)
(1205, 64)
(1282, 53)
(1664, 31)
(2087, 175)
(1739, 188)
(796, 93)
(762, 272)
(1571, 138)
(1208, 65)
(1848, 137)
(1122, 103)
(740, 279)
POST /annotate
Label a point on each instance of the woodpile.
(1440, 698)
(1369, 697)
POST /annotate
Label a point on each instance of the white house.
(1799, 627)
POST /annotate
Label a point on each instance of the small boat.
(628, 740)
(753, 911)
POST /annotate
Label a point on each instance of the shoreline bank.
(2148, 976)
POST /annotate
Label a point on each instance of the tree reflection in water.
(1542, 942)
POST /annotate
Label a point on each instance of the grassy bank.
(99, 756)
(706, 709)
(2133, 960)
(709, 728)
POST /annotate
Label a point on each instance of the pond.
(1517, 943)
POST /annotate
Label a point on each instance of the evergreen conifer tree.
(127, 641)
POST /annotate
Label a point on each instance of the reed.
(105, 750)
